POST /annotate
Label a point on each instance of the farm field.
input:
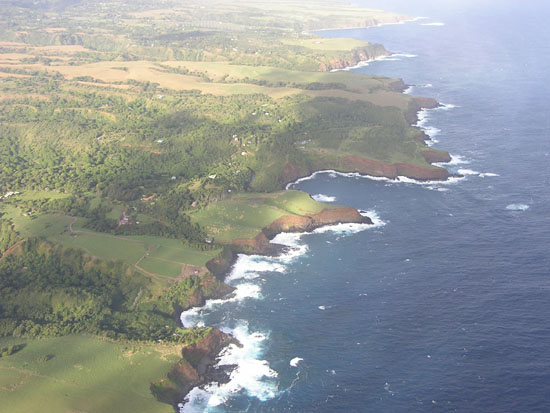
(82, 373)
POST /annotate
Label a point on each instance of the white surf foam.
(374, 217)
(468, 172)
(342, 229)
(250, 267)
(399, 179)
(433, 24)
(488, 174)
(409, 55)
(517, 207)
(251, 376)
(431, 131)
(408, 90)
(457, 160)
(324, 198)
(363, 63)
(192, 317)
(294, 362)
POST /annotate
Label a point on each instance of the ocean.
(444, 304)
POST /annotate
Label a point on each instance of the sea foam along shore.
(251, 374)
(423, 116)
(400, 179)
(363, 63)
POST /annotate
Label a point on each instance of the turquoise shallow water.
(444, 305)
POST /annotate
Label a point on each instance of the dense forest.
(47, 291)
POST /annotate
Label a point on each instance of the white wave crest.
(192, 317)
(252, 375)
(294, 362)
(488, 174)
(249, 267)
(517, 207)
(399, 179)
(404, 55)
(431, 131)
(408, 90)
(433, 24)
(457, 160)
(324, 198)
(468, 172)
(342, 229)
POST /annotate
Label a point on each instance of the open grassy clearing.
(165, 268)
(244, 215)
(105, 246)
(84, 374)
(327, 44)
(160, 256)
(357, 87)
(173, 250)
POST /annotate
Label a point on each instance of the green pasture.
(165, 256)
(44, 226)
(166, 268)
(335, 44)
(244, 215)
(82, 374)
(174, 250)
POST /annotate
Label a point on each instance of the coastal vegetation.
(142, 144)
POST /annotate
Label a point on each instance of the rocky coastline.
(198, 363)
(358, 56)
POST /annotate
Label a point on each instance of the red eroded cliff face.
(377, 168)
(339, 215)
(421, 173)
(370, 166)
(193, 369)
(358, 55)
(257, 245)
(209, 347)
(293, 223)
(292, 172)
(432, 156)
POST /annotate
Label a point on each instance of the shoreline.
(211, 371)
(261, 245)
(190, 376)
(407, 19)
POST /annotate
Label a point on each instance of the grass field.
(84, 374)
(244, 215)
(327, 44)
(367, 88)
(160, 256)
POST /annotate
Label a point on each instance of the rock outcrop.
(382, 169)
(433, 156)
(371, 52)
(417, 104)
(293, 223)
(195, 368)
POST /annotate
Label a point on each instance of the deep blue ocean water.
(445, 306)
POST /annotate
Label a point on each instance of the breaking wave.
(324, 198)
(251, 376)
